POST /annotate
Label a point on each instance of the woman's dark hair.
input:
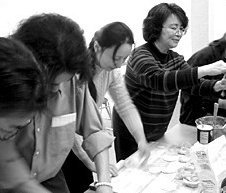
(22, 85)
(112, 34)
(153, 23)
(57, 43)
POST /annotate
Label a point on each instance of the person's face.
(109, 62)
(172, 31)
(63, 77)
(11, 125)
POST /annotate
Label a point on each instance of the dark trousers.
(56, 184)
(77, 175)
(125, 144)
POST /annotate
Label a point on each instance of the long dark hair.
(112, 34)
(57, 43)
(22, 85)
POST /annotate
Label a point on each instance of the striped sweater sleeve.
(125, 107)
(172, 76)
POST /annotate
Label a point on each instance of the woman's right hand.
(212, 69)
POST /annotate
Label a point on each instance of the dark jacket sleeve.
(210, 54)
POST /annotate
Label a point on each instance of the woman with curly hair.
(155, 74)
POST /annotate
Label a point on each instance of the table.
(180, 133)
(176, 135)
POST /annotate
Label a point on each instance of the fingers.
(113, 170)
(220, 86)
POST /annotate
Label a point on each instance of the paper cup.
(204, 134)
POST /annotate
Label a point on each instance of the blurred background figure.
(202, 104)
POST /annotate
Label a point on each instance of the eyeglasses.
(177, 30)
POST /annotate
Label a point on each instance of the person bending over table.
(155, 74)
(58, 44)
(109, 49)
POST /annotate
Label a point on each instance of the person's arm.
(128, 112)
(149, 73)
(178, 75)
(14, 172)
(96, 140)
(82, 155)
(101, 162)
(209, 86)
(212, 69)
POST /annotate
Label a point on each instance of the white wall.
(217, 18)
(207, 22)
(90, 14)
(199, 24)
(93, 14)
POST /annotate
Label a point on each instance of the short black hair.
(152, 24)
(22, 84)
(57, 43)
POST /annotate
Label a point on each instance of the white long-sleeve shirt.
(113, 82)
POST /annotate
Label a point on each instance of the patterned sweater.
(153, 80)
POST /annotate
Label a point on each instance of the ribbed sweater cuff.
(134, 124)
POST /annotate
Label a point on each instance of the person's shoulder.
(218, 42)
(142, 47)
(143, 50)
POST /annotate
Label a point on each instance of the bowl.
(208, 122)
